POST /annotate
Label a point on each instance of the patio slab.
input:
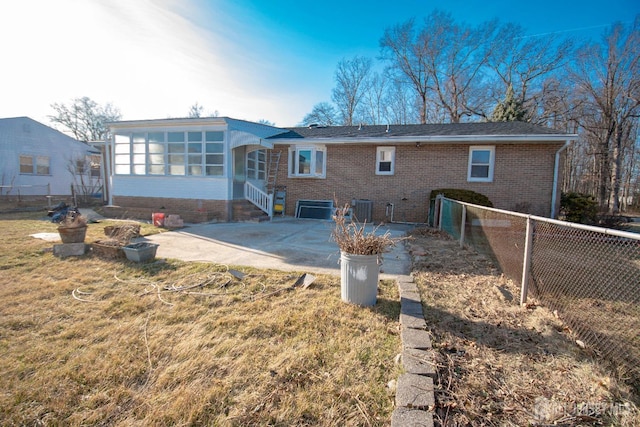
(286, 244)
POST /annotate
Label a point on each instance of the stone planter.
(359, 278)
(140, 252)
(72, 234)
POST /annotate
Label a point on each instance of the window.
(26, 164)
(194, 153)
(481, 160)
(176, 156)
(170, 153)
(94, 162)
(214, 153)
(256, 164)
(42, 165)
(80, 166)
(385, 160)
(34, 165)
(307, 162)
(157, 149)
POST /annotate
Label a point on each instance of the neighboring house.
(201, 168)
(36, 160)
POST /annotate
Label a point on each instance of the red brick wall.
(523, 178)
(190, 210)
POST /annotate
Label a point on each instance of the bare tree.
(402, 106)
(407, 61)
(84, 118)
(195, 111)
(351, 84)
(455, 56)
(323, 114)
(372, 109)
(524, 63)
(607, 75)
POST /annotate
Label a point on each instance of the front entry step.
(244, 211)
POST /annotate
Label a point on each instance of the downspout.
(556, 168)
(108, 182)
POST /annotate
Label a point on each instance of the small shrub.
(461, 195)
(579, 207)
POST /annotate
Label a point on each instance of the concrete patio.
(287, 244)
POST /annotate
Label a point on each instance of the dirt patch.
(500, 363)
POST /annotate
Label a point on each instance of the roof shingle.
(449, 129)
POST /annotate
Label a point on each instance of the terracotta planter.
(72, 235)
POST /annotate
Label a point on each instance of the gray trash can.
(359, 278)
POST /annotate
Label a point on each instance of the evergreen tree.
(509, 110)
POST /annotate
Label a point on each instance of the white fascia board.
(454, 139)
(168, 123)
(239, 138)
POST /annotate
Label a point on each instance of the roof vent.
(313, 125)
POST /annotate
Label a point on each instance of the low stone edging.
(415, 395)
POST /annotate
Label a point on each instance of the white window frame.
(174, 158)
(379, 155)
(293, 166)
(492, 155)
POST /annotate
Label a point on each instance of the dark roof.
(449, 129)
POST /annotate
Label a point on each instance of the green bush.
(467, 196)
(579, 207)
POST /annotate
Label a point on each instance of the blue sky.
(247, 59)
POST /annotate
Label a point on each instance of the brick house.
(204, 168)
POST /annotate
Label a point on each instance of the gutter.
(439, 139)
(556, 167)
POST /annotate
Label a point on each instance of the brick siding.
(523, 178)
(190, 210)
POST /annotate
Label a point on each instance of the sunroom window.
(307, 162)
(481, 163)
(170, 153)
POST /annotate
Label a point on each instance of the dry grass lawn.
(500, 364)
(89, 341)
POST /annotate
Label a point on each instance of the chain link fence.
(589, 275)
(30, 197)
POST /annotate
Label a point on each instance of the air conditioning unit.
(362, 209)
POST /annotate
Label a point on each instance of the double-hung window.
(307, 161)
(385, 160)
(34, 165)
(481, 163)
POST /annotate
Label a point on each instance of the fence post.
(462, 227)
(526, 265)
(439, 198)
